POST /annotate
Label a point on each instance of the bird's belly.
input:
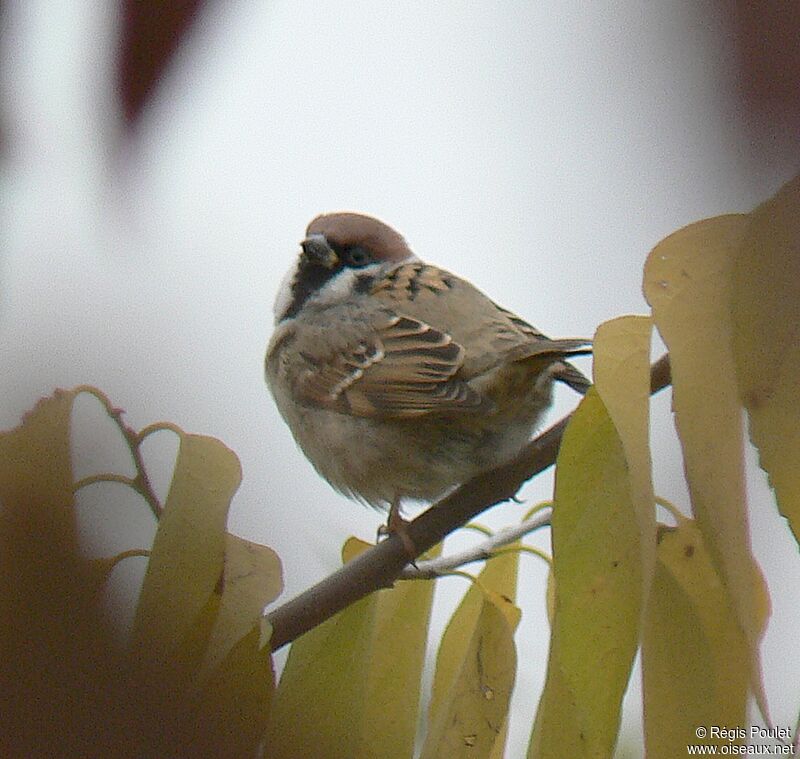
(421, 458)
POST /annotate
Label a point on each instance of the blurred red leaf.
(767, 34)
(151, 31)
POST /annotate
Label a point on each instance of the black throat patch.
(310, 279)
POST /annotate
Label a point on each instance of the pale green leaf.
(252, 578)
(766, 340)
(351, 686)
(695, 658)
(453, 666)
(470, 719)
(597, 562)
(43, 576)
(186, 560)
(36, 474)
(498, 575)
(621, 369)
(550, 596)
(688, 285)
(234, 704)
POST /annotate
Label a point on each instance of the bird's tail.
(569, 375)
(561, 370)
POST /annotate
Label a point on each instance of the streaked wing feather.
(520, 324)
(404, 368)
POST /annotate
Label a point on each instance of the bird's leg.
(396, 525)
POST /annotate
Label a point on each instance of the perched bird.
(400, 380)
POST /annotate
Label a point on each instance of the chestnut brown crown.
(346, 230)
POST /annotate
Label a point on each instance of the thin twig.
(432, 568)
(93, 479)
(381, 565)
(131, 553)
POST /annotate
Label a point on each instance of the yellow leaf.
(65, 687)
(550, 596)
(499, 746)
(687, 283)
(234, 704)
(597, 562)
(169, 691)
(766, 340)
(557, 706)
(351, 686)
(252, 578)
(449, 706)
(52, 630)
(50, 633)
(695, 658)
(469, 721)
(177, 673)
(499, 575)
(47, 589)
(186, 560)
(353, 547)
(36, 476)
(621, 369)
(394, 668)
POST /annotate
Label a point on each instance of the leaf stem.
(105, 477)
(141, 482)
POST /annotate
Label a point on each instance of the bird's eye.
(357, 256)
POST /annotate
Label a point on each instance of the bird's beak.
(317, 250)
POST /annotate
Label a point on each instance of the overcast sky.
(538, 149)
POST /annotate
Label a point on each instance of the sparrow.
(398, 379)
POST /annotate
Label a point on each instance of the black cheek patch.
(364, 283)
(311, 278)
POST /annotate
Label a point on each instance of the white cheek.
(335, 290)
(283, 299)
(342, 285)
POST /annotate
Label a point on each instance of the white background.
(538, 149)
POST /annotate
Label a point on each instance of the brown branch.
(381, 565)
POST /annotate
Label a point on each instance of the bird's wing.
(398, 367)
(395, 364)
(435, 296)
(561, 371)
